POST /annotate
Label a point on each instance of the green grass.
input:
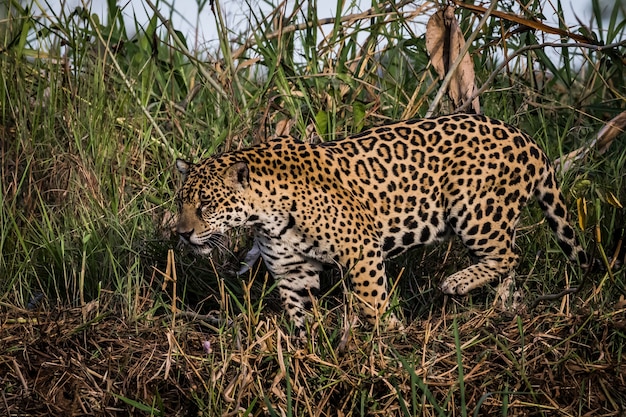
(91, 121)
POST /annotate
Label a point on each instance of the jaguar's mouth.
(203, 246)
(202, 249)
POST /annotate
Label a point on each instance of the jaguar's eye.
(205, 206)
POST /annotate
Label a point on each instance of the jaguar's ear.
(237, 175)
(183, 167)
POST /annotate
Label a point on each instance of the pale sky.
(187, 19)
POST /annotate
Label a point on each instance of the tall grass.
(92, 118)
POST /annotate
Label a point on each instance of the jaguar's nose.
(185, 234)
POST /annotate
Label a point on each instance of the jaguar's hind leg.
(493, 250)
(486, 270)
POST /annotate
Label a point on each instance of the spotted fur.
(372, 196)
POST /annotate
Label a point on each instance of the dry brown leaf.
(437, 40)
(601, 143)
(444, 41)
(248, 63)
(610, 131)
(311, 134)
(283, 127)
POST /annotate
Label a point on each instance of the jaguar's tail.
(553, 205)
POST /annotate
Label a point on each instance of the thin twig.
(571, 290)
(534, 24)
(210, 319)
(524, 49)
(551, 297)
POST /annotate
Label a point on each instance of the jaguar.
(358, 201)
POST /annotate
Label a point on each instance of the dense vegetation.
(95, 294)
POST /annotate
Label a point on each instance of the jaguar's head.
(211, 201)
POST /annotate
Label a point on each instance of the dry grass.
(93, 362)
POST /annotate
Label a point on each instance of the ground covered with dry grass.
(92, 361)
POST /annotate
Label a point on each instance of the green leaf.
(321, 122)
(358, 109)
(137, 404)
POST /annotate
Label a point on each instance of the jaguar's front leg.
(297, 279)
